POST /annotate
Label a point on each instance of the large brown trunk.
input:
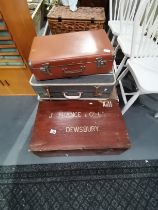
(63, 126)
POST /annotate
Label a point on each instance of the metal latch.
(45, 68)
(100, 62)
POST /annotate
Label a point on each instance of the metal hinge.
(45, 68)
(100, 62)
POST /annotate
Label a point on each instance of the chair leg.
(113, 39)
(108, 32)
(121, 66)
(122, 76)
(156, 115)
(130, 102)
(116, 49)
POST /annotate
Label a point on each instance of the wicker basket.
(62, 20)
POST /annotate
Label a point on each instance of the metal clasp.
(100, 62)
(45, 68)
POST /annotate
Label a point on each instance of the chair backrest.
(145, 33)
(114, 9)
(128, 10)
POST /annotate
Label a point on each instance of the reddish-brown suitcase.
(79, 126)
(71, 54)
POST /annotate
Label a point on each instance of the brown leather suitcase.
(71, 54)
(79, 127)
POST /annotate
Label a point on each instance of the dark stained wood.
(95, 126)
(19, 23)
(79, 152)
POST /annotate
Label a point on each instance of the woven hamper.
(62, 20)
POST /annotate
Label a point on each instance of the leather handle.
(76, 71)
(72, 97)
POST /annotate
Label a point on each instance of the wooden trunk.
(79, 126)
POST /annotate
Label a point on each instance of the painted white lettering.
(67, 129)
(95, 114)
(91, 114)
(97, 128)
(92, 128)
(85, 129)
(69, 114)
(76, 129)
(79, 114)
(81, 129)
(107, 104)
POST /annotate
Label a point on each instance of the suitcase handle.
(82, 68)
(72, 97)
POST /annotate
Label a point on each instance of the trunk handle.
(72, 97)
(81, 69)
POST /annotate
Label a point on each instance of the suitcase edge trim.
(71, 84)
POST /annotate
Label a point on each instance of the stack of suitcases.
(78, 107)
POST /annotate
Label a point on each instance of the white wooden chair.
(126, 33)
(127, 7)
(143, 63)
(114, 21)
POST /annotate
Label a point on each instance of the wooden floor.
(15, 82)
